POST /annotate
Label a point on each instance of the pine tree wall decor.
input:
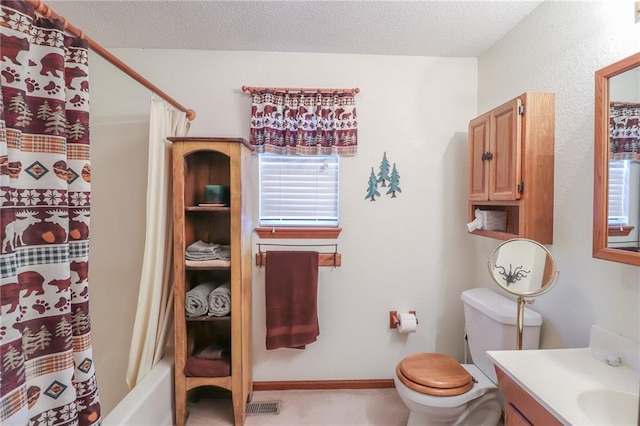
(383, 175)
(372, 190)
(394, 182)
(382, 178)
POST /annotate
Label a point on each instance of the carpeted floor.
(362, 407)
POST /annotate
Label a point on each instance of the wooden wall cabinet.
(198, 162)
(520, 408)
(511, 161)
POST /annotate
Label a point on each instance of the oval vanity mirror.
(616, 196)
(524, 268)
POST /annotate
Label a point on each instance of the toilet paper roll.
(407, 323)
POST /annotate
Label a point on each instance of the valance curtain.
(307, 123)
(48, 375)
(624, 131)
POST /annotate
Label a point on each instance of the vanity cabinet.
(198, 162)
(511, 161)
(520, 408)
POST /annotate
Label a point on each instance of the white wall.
(408, 253)
(557, 49)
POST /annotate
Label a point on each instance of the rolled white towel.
(196, 301)
(220, 300)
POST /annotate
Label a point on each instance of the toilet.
(438, 390)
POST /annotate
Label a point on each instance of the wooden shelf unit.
(198, 162)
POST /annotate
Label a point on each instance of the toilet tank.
(490, 321)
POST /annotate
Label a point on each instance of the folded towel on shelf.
(220, 300)
(207, 251)
(213, 351)
(197, 367)
(202, 247)
(291, 293)
(224, 252)
(196, 302)
(201, 256)
(208, 263)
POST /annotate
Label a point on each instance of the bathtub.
(150, 402)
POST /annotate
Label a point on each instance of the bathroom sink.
(579, 386)
(608, 406)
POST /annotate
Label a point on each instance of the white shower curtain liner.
(155, 297)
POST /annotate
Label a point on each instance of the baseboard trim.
(323, 384)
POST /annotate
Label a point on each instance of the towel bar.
(326, 259)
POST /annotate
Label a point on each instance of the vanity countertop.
(574, 385)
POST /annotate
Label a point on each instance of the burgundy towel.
(291, 289)
(196, 367)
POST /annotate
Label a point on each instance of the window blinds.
(299, 190)
(619, 192)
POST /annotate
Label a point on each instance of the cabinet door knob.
(487, 156)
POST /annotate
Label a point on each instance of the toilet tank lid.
(499, 307)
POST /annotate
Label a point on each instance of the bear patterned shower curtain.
(46, 363)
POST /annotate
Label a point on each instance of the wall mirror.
(616, 197)
(524, 268)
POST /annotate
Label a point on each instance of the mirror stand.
(524, 268)
(520, 319)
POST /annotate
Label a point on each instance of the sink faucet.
(609, 359)
(613, 360)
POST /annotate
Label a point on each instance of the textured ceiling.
(425, 28)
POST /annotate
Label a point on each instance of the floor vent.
(263, 407)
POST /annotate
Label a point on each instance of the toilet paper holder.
(393, 318)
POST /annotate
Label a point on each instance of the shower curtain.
(155, 297)
(48, 375)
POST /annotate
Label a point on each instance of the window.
(299, 190)
(619, 192)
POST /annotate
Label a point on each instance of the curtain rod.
(250, 89)
(46, 11)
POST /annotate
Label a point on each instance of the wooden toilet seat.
(434, 374)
